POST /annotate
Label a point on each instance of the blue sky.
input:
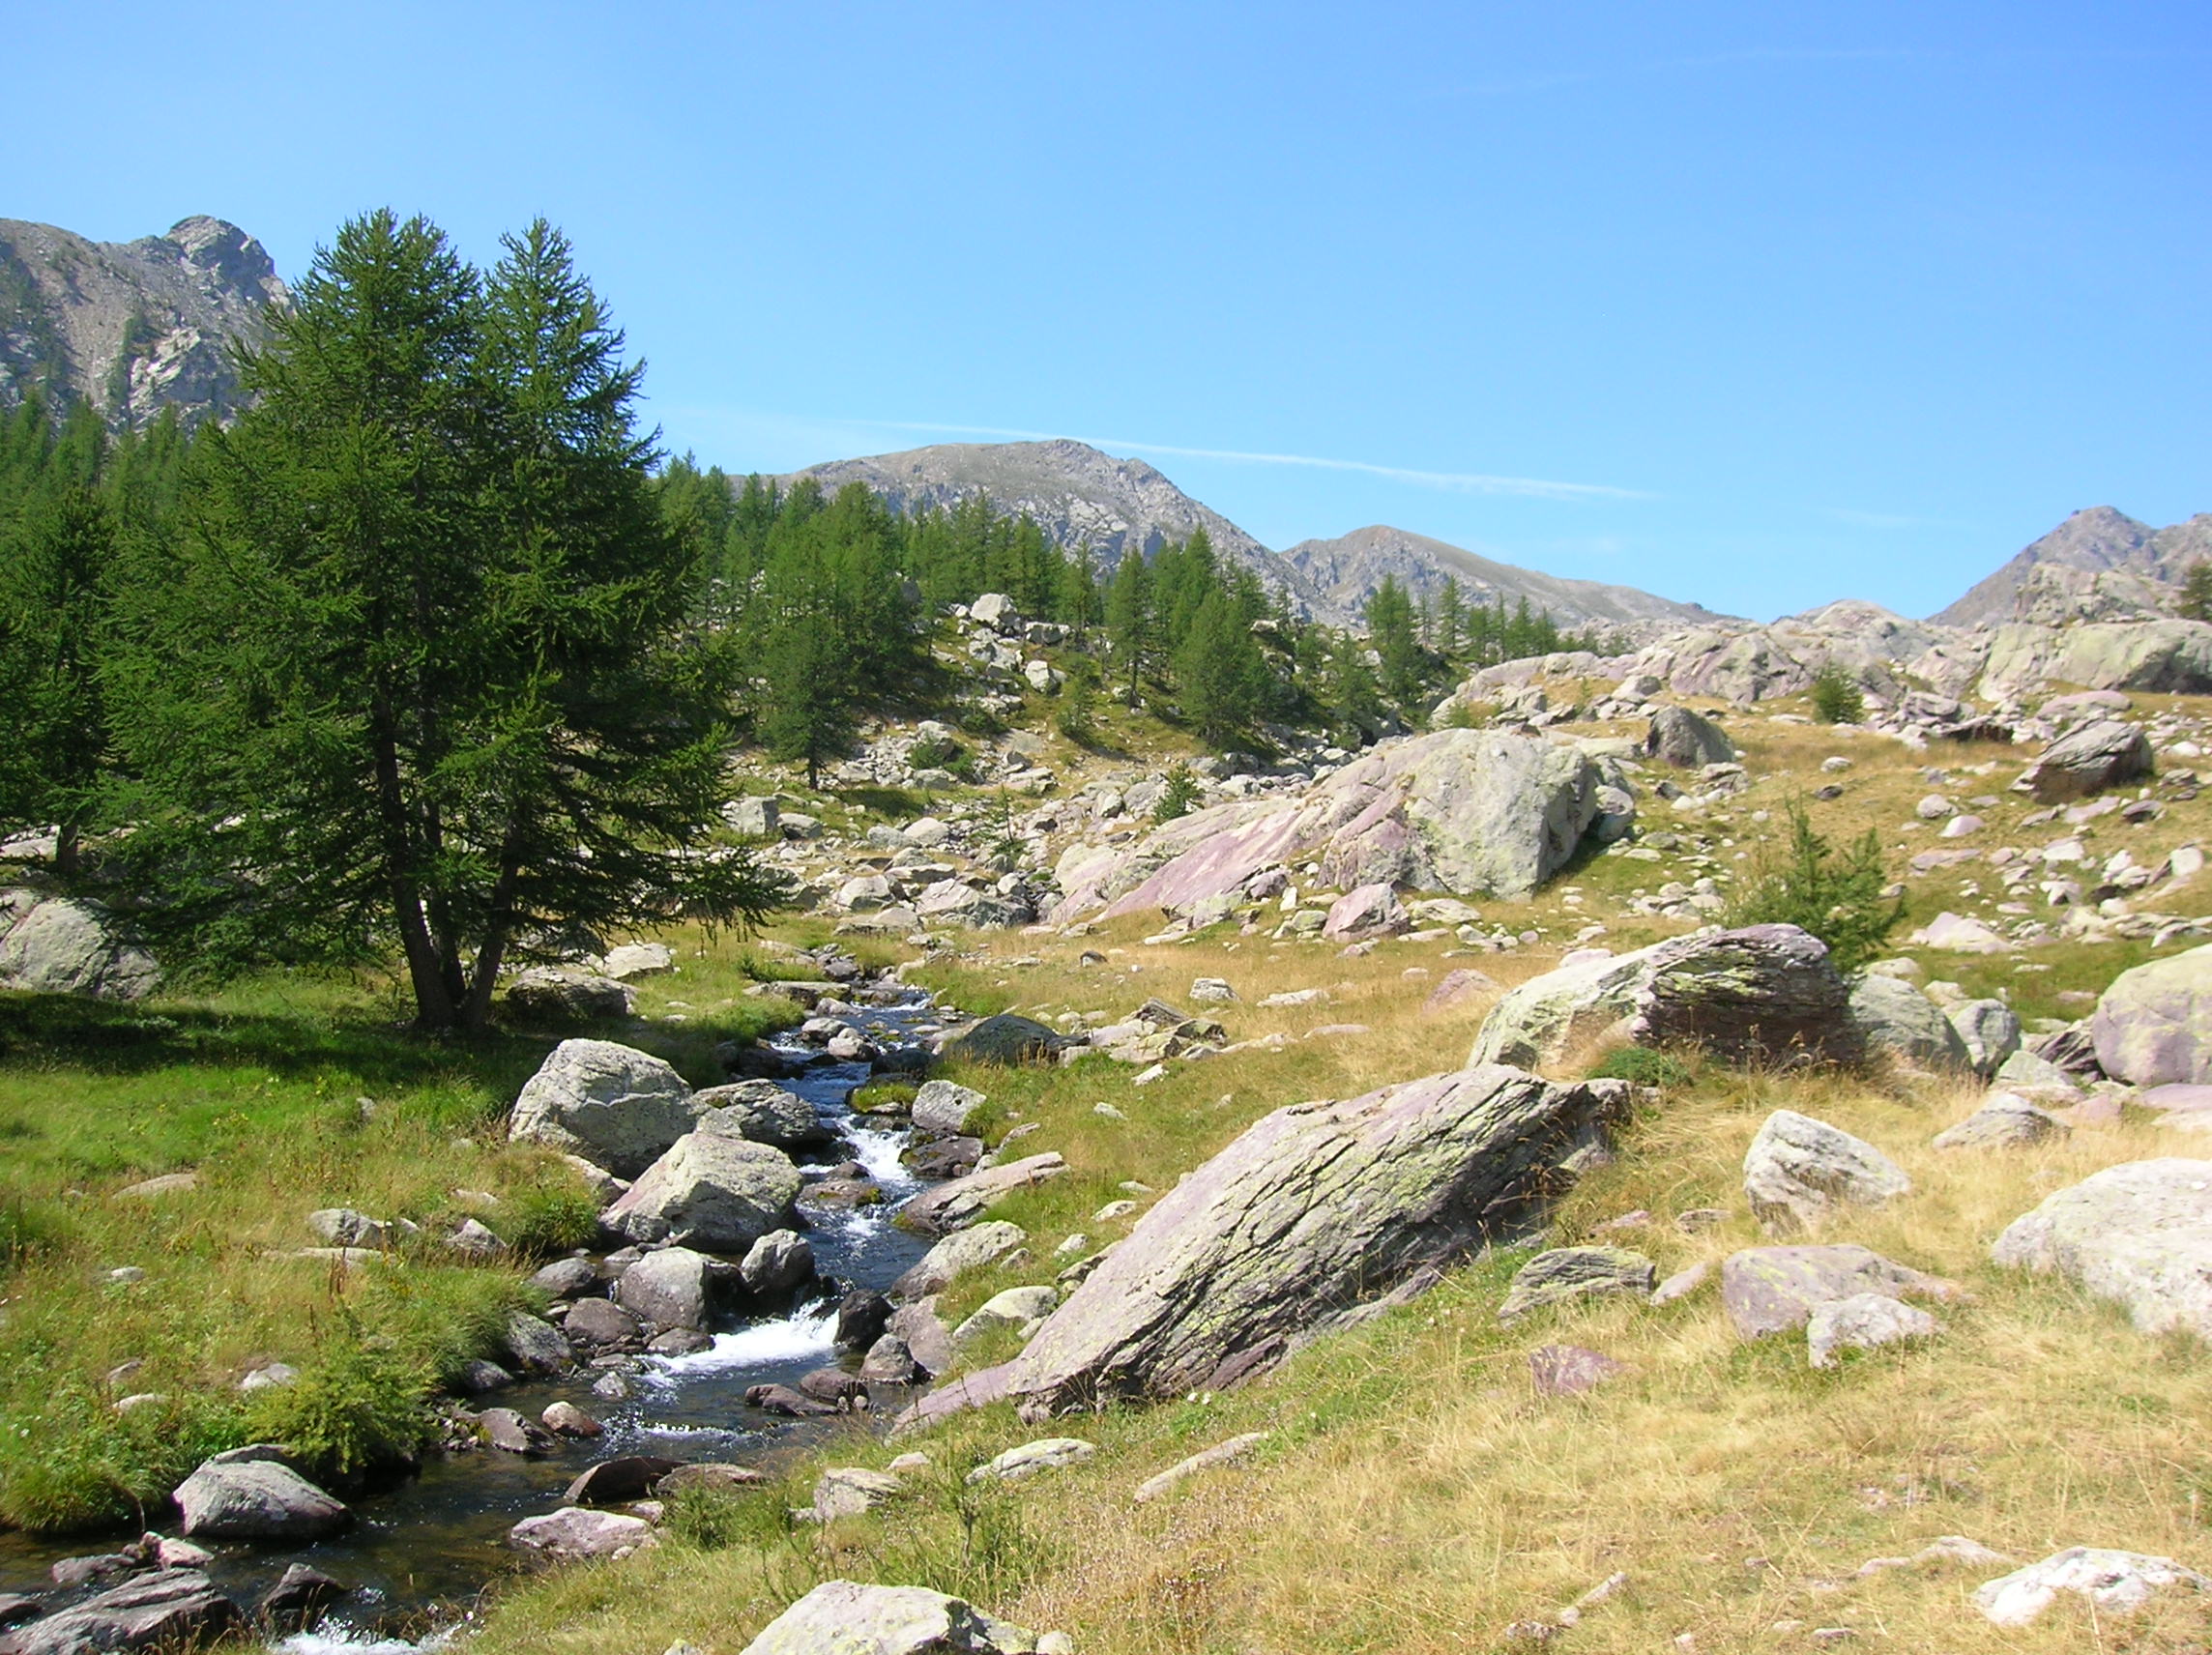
(1755, 306)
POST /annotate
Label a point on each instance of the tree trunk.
(434, 1006)
(68, 847)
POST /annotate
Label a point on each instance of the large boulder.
(2138, 1234)
(568, 993)
(675, 1287)
(2086, 760)
(2153, 1025)
(958, 1203)
(1006, 1040)
(1686, 740)
(1891, 1015)
(1798, 1170)
(1313, 1211)
(763, 1112)
(573, 1533)
(167, 1609)
(57, 945)
(1775, 1290)
(722, 1193)
(1761, 994)
(840, 1618)
(1989, 1030)
(960, 1252)
(256, 1499)
(614, 1106)
(1466, 811)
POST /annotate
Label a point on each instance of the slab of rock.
(1232, 1452)
(1863, 1321)
(1570, 1370)
(2087, 758)
(925, 1333)
(1015, 1307)
(619, 1481)
(1311, 1211)
(639, 960)
(1894, 1016)
(616, 1107)
(1798, 1170)
(600, 1321)
(764, 1113)
(890, 1361)
(945, 1107)
(1989, 1032)
(256, 1499)
(840, 1618)
(1760, 994)
(2153, 1025)
(722, 1193)
(174, 1608)
(1775, 1290)
(573, 1533)
(58, 944)
(961, 1201)
(673, 1288)
(777, 1263)
(2113, 1582)
(1566, 1274)
(1960, 936)
(1687, 740)
(1004, 1040)
(861, 1318)
(1046, 1454)
(567, 1278)
(1465, 811)
(2004, 1120)
(2138, 1234)
(849, 1491)
(1365, 911)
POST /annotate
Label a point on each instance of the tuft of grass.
(1642, 1065)
(360, 1403)
(549, 1218)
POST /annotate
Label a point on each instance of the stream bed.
(418, 1553)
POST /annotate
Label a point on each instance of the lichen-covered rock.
(568, 993)
(613, 1105)
(2138, 1234)
(763, 1112)
(2086, 760)
(1894, 1016)
(840, 1618)
(777, 1263)
(58, 944)
(1798, 1170)
(958, 1203)
(1365, 911)
(2113, 1582)
(958, 1253)
(1312, 1211)
(1761, 994)
(2153, 1025)
(1686, 740)
(1863, 1321)
(1006, 1040)
(945, 1107)
(718, 1193)
(171, 1609)
(1566, 1274)
(573, 1533)
(1989, 1032)
(1466, 811)
(673, 1288)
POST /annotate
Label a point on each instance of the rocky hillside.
(2099, 565)
(1077, 495)
(133, 328)
(1349, 570)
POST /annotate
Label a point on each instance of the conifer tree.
(1223, 683)
(1129, 618)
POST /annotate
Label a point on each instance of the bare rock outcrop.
(1316, 1212)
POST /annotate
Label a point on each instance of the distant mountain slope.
(131, 327)
(2098, 564)
(1077, 495)
(1346, 571)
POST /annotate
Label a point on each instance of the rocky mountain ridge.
(2099, 565)
(133, 328)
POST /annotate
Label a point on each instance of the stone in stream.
(479, 1377)
(256, 1499)
(617, 1481)
(762, 1111)
(956, 1204)
(944, 1157)
(1313, 1211)
(567, 1278)
(1798, 1170)
(1564, 1275)
(925, 1334)
(724, 1193)
(536, 1346)
(673, 1288)
(957, 1254)
(1762, 993)
(601, 1322)
(783, 1400)
(853, 1619)
(890, 1362)
(300, 1595)
(575, 1533)
(566, 1419)
(507, 1430)
(861, 1318)
(2138, 1234)
(615, 1106)
(777, 1263)
(1775, 1290)
(835, 1387)
(172, 1607)
(16, 1608)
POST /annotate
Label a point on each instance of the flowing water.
(425, 1550)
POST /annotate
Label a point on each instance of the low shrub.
(1642, 1065)
(361, 1402)
(1837, 895)
(548, 1219)
(1178, 796)
(1837, 698)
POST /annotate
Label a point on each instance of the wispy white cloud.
(1456, 482)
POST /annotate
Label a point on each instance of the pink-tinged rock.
(1369, 911)
(1570, 1370)
(1465, 811)
(2153, 1025)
